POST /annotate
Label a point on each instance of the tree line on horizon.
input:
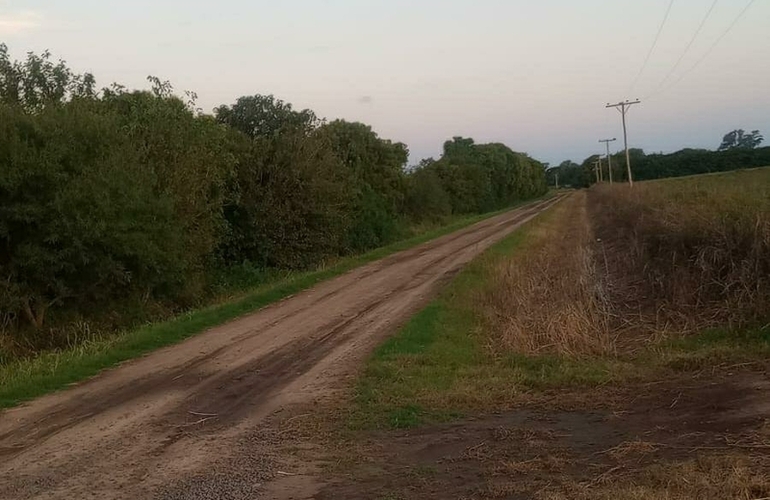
(116, 197)
(737, 150)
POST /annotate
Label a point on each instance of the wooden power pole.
(623, 108)
(609, 158)
(601, 170)
(596, 170)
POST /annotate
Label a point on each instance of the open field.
(616, 347)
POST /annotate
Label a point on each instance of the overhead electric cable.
(686, 49)
(713, 45)
(652, 48)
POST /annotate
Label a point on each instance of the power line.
(652, 48)
(713, 45)
(687, 48)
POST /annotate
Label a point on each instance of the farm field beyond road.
(158, 426)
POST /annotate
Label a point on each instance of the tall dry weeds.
(688, 254)
(549, 298)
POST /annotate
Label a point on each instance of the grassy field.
(649, 306)
(27, 378)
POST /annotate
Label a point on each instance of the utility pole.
(601, 170)
(622, 107)
(609, 158)
(557, 180)
(596, 170)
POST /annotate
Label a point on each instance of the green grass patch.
(716, 347)
(25, 379)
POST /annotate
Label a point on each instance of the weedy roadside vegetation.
(687, 254)
(497, 331)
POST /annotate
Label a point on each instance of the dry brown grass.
(688, 254)
(723, 477)
(617, 267)
(550, 298)
(629, 449)
(550, 463)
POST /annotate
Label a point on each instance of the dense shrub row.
(116, 195)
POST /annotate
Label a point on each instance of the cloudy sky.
(535, 75)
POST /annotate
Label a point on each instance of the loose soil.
(571, 445)
(195, 420)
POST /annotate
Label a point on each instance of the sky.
(535, 75)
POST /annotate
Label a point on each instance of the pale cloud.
(13, 23)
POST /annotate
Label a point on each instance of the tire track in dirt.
(150, 421)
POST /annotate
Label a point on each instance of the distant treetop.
(739, 139)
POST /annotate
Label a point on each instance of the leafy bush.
(292, 203)
(191, 157)
(79, 216)
(376, 167)
(426, 197)
(479, 178)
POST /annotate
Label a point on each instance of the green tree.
(426, 198)
(740, 139)
(79, 218)
(482, 177)
(292, 205)
(377, 167)
(570, 174)
(103, 195)
(291, 200)
(192, 160)
(265, 116)
(38, 81)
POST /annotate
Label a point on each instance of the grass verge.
(25, 379)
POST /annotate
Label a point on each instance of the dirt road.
(133, 431)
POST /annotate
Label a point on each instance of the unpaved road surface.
(134, 430)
